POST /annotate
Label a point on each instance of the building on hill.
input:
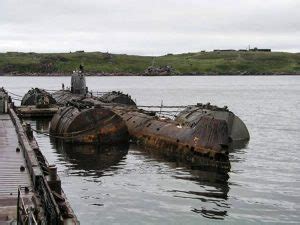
(244, 50)
(259, 49)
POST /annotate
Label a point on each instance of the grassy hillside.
(190, 63)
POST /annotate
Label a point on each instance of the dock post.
(18, 206)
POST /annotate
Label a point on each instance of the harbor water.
(129, 185)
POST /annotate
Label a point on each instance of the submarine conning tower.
(78, 83)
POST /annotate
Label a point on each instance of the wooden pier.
(13, 172)
(30, 189)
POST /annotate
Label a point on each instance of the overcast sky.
(148, 27)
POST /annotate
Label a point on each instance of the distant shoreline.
(133, 75)
(217, 63)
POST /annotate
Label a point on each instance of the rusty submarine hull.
(38, 97)
(89, 124)
(238, 134)
(199, 135)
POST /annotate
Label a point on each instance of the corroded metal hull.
(63, 96)
(237, 131)
(117, 97)
(205, 145)
(200, 134)
(88, 125)
(37, 96)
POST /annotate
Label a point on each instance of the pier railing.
(49, 205)
(25, 215)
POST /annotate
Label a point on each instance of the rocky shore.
(144, 74)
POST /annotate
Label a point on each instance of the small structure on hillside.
(224, 50)
(162, 70)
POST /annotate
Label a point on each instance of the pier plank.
(11, 176)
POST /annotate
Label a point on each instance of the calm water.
(126, 185)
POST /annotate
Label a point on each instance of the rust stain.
(89, 125)
(205, 141)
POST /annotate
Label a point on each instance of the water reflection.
(84, 159)
(42, 124)
(90, 160)
(264, 185)
(235, 145)
(211, 189)
(205, 193)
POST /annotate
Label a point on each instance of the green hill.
(231, 63)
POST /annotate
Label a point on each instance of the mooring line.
(163, 106)
(14, 94)
(16, 99)
(75, 134)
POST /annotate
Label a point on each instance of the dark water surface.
(127, 185)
